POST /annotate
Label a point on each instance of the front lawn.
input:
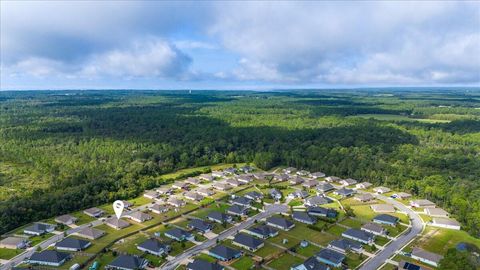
(285, 262)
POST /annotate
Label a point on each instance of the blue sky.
(234, 45)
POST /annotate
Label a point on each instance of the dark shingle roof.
(359, 234)
(247, 240)
(218, 216)
(39, 227)
(303, 217)
(242, 201)
(313, 264)
(386, 218)
(225, 252)
(153, 245)
(72, 243)
(285, 223)
(237, 209)
(128, 262)
(263, 230)
(51, 256)
(200, 225)
(178, 233)
(345, 244)
(254, 195)
(322, 211)
(199, 264)
(331, 255)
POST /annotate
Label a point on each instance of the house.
(242, 201)
(127, 262)
(72, 244)
(330, 257)
(374, 228)
(206, 177)
(66, 219)
(247, 242)
(127, 204)
(332, 179)
(381, 190)
(436, 212)
(151, 194)
(199, 264)
(348, 182)
(303, 173)
(262, 231)
(175, 202)
(90, 233)
(316, 175)
(200, 225)
(245, 179)
(363, 185)
(403, 195)
(386, 219)
(310, 183)
(280, 223)
(345, 245)
(116, 223)
(153, 246)
(39, 229)
(303, 218)
(296, 180)
(317, 200)
(344, 192)
(13, 242)
(205, 192)
(260, 176)
(94, 212)
(139, 216)
(224, 253)
(192, 181)
(221, 186)
(324, 187)
(218, 174)
(234, 182)
(163, 190)
(230, 171)
(422, 203)
(301, 194)
(322, 212)
(359, 235)
(404, 265)
(364, 197)
(194, 196)
(275, 194)
(289, 170)
(237, 210)
(219, 217)
(179, 235)
(426, 256)
(49, 257)
(158, 209)
(180, 185)
(311, 263)
(247, 169)
(254, 195)
(445, 223)
(281, 177)
(383, 208)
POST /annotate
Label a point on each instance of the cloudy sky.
(233, 45)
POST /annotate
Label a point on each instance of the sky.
(237, 45)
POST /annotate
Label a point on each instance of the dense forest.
(62, 151)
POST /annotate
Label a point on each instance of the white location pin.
(118, 207)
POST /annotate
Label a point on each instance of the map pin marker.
(118, 207)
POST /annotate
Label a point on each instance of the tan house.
(383, 208)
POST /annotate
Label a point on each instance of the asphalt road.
(269, 211)
(416, 228)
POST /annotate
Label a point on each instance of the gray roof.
(263, 230)
(322, 211)
(386, 218)
(94, 211)
(158, 208)
(117, 223)
(14, 241)
(91, 233)
(331, 255)
(302, 216)
(225, 252)
(128, 262)
(318, 200)
(445, 221)
(299, 194)
(178, 233)
(39, 227)
(418, 252)
(285, 223)
(312, 264)
(345, 244)
(373, 227)
(218, 216)
(72, 243)
(242, 201)
(359, 234)
(344, 191)
(51, 256)
(66, 219)
(199, 264)
(153, 245)
(254, 195)
(323, 186)
(237, 209)
(200, 225)
(247, 240)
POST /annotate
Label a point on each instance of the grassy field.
(336, 230)
(284, 262)
(394, 117)
(243, 263)
(352, 223)
(307, 251)
(302, 232)
(440, 240)
(6, 253)
(267, 250)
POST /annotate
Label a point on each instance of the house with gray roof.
(436, 212)
(448, 223)
(151, 194)
(300, 194)
(180, 185)
(332, 179)
(221, 186)
(386, 219)
(280, 223)
(281, 177)
(348, 182)
(344, 192)
(94, 212)
(275, 194)
(426, 256)
(422, 203)
(311, 263)
(66, 219)
(179, 235)
(194, 196)
(200, 225)
(90, 233)
(127, 262)
(303, 173)
(381, 190)
(224, 253)
(237, 210)
(330, 257)
(374, 228)
(323, 187)
(158, 209)
(192, 181)
(363, 185)
(248, 242)
(13, 242)
(344, 245)
(116, 223)
(48, 257)
(382, 208)
(303, 218)
(254, 195)
(289, 170)
(310, 183)
(245, 179)
(359, 235)
(317, 200)
(296, 180)
(153, 246)
(175, 202)
(364, 197)
(139, 216)
(234, 182)
(322, 212)
(205, 192)
(242, 201)
(206, 177)
(316, 175)
(199, 264)
(39, 229)
(219, 217)
(72, 244)
(262, 231)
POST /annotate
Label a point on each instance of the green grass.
(7, 254)
(353, 260)
(292, 241)
(352, 223)
(203, 212)
(440, 240)
(285, 262)
(267, 250)
(35, 240)
(364, 212)
(205, 257)
(394, 231)
(336, 230)
(103, 259)
(381, 241)
(110, 236)
(140, 200)
(243, 263)
(308, 251)
(82, 218)
(302, 232)
(129, 244)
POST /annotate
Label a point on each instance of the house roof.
(404, 265)
(381, 189)
(178, 233)
(247, 240)
(312, 264)
(324, 186)
(303, 216)
(297, 180)
(205, 191)
(199, 264)
(344, 191)
(14, 241)
(330, 255)
(93, 211)
(242, 201)
(200, 225)
(175, 201)
(51, 256)
(373, 227)
(74, 243)
(153, 245)
(436, 212)
(423, 202)
(128, 262)
(365, 184)
(91, 233)
(321, 210)
(299, 193)
(359, 234)
(349, 181)
(218, 216)
(233, 182)
(237, 209)
(194, 195)
(119, 223)
(140, 216)
(364, 197)
(225, 252)
(254, 195)
(192, 180)
(263, 230)
(446, 221)
(39, 227)
(317, 200)
(317, 174)
(274, 192)
(383, 207)
(345, 244)
(310, 183)
(224, 186)
(285, 223)
(151, 193)
(332, 178)
(386, 218)
(418, 252)
(404, 195)
(282, 176)
(65, 219)
(159, 208)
